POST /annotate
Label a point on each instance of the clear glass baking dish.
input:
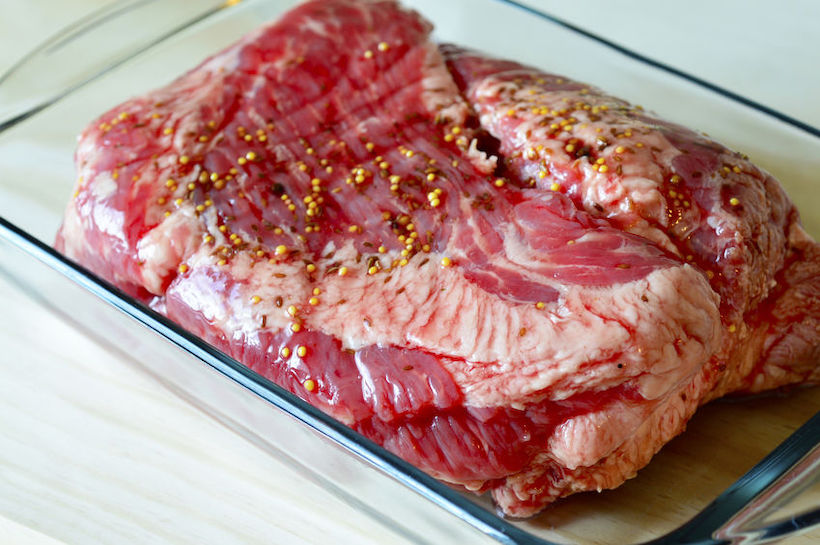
(36, 175)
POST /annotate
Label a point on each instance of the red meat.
(510, 279)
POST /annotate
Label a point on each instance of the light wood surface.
(94, 451)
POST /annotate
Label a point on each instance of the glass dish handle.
(750, 525)
(747, 513)
(92, 46)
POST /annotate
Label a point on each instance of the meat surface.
(510, 279)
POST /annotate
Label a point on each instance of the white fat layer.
(163, 248)
(73, 231)
(237, 312)
(103, 187)
(439, 92)
(603, 448)
(583, 440)
(654, 343)
(485, 164)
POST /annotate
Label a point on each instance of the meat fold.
(510, 279)
(695, 198)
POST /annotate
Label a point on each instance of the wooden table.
(94, 451)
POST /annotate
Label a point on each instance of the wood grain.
(94, 451)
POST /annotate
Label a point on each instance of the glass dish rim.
(699, 529)
(701, 82)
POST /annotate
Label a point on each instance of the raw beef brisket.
(510, 279)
